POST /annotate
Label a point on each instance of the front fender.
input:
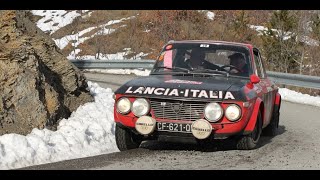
(253, 119)
(278, 99)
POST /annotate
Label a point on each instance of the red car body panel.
(253, 119)
(278, 99)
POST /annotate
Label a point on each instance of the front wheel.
(272, 128)
(250, 141)
(126, 140)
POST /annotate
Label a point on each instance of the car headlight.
(123, 105)
(140, 107)
(233, 112)
(213, 112)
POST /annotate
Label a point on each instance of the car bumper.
(220, 130)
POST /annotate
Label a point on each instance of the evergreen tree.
(280, 41)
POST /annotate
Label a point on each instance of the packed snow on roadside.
(137, 72)
(297, 97)
(88, 132)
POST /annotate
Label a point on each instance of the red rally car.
(199, 91)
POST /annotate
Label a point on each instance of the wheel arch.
(258, 107)
(278, 99)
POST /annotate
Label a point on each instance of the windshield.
(204, 58)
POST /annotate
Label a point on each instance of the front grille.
(177, 110)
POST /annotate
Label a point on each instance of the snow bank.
(122, 71)
(52, 20)
(261, 29)
(296, 97)
(78, 38)
(287, 35)
(63, 42)
(118, 55)
(88, 132)
(210, 15)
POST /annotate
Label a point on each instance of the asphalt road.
(112, 81)
(297, 146)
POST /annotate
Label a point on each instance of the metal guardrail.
(295, 79)
(279, 78)
(113, 64)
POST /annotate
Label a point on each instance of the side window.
(257, 60)
(263, 66)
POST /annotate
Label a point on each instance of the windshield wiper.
(174, 68)
(211, 71)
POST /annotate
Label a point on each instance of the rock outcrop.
(38, 85)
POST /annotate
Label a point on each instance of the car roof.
(214, 42)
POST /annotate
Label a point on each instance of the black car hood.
(185, 87)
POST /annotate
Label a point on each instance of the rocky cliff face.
(38, 85)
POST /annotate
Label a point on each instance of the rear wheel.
(272, 128)
(251, 140)
(126, 140)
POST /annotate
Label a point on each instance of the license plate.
(174, 127)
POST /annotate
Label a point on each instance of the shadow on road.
(205, 146)
(268, 139)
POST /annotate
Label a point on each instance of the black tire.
(126, 140)
(272, 128)
(250, 141)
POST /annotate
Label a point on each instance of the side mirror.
(254, 79)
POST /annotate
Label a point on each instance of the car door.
(266, 87)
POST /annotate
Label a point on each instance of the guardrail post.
(282, 86)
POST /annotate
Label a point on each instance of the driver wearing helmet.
(198, 61)
(238, 61)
